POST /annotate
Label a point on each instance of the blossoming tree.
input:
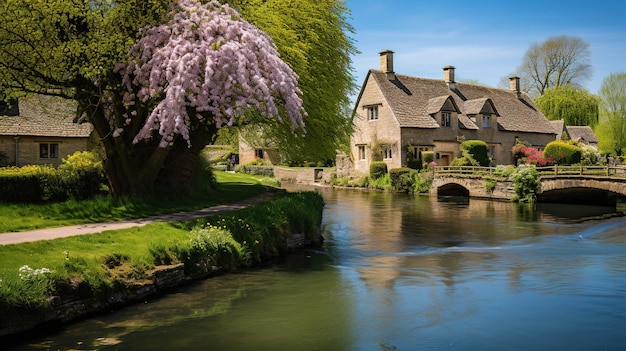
(155, 96)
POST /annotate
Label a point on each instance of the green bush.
(81, 175)
(428, 157)
(478, 149)
(267, 171)
(460, 161)
(403, 179)
(414, 164)
(562, 152)
(526, 183)
(378, 169)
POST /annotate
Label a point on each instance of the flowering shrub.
(523, 154)
(526, 183)
(563, 153)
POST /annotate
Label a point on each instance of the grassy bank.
(19, 217)
(99, 265)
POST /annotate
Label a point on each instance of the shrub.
(563, 153)
(526, 183)
(403, 179)
(461, 161)
(478, 149)
(267, 171)
(378, 169)
(503, 171)
(81, 174)
(414, 164)
(589, 155)
(428, 157)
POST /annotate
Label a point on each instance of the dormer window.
(372, 113)
(446, 119)
(486, 121)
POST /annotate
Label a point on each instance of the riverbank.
(70, 278)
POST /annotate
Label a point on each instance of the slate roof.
(413, 99)
(47, 116)
(584, 132)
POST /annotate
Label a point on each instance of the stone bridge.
(582, 189)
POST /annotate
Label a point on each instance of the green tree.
(612, 127)
(312, 36)
(156, 78)
(558, 61)
(576, 107)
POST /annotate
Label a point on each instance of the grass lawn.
(232, 187)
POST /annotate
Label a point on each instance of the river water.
(400, 272)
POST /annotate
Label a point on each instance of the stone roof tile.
(47, 116)
(409, 97)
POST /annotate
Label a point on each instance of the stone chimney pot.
(386, 63)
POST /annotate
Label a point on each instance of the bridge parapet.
(483, 182)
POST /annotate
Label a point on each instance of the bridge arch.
(587, 190)
(453, 189)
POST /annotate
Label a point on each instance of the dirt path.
(92, 228)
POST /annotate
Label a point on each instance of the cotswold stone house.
(39, 130)
(398, 117)
(582, 134)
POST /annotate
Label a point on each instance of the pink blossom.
(209, 59)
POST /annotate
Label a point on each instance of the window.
(446, 119)
(387, 152)
(361, 152)
(372, 113)
(258, 153)
(491, 152)
(49, 150)
(486, 121)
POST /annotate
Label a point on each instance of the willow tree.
(313, 37)
(156, 78)
(575, 106)
(612, 127)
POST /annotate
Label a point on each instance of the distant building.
(582, 134)
(400, 116)
(40, 130)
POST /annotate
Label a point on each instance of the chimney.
(514, 85)
(448, 76)
(386, 63)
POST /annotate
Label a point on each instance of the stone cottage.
(399, 116)
(40, 130)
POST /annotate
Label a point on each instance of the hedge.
(80, 176)
(478, 150)
(562, 152)
(378, 169)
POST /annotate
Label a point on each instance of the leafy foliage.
(576, 107)
(313, 37)
(378, 169)
(526, 183)
(477, 150)
(563, 153)
(172, 70)
(612, 127)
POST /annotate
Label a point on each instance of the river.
(400, 272)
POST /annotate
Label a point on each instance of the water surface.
(399, 272)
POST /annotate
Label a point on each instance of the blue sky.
(484, 40)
